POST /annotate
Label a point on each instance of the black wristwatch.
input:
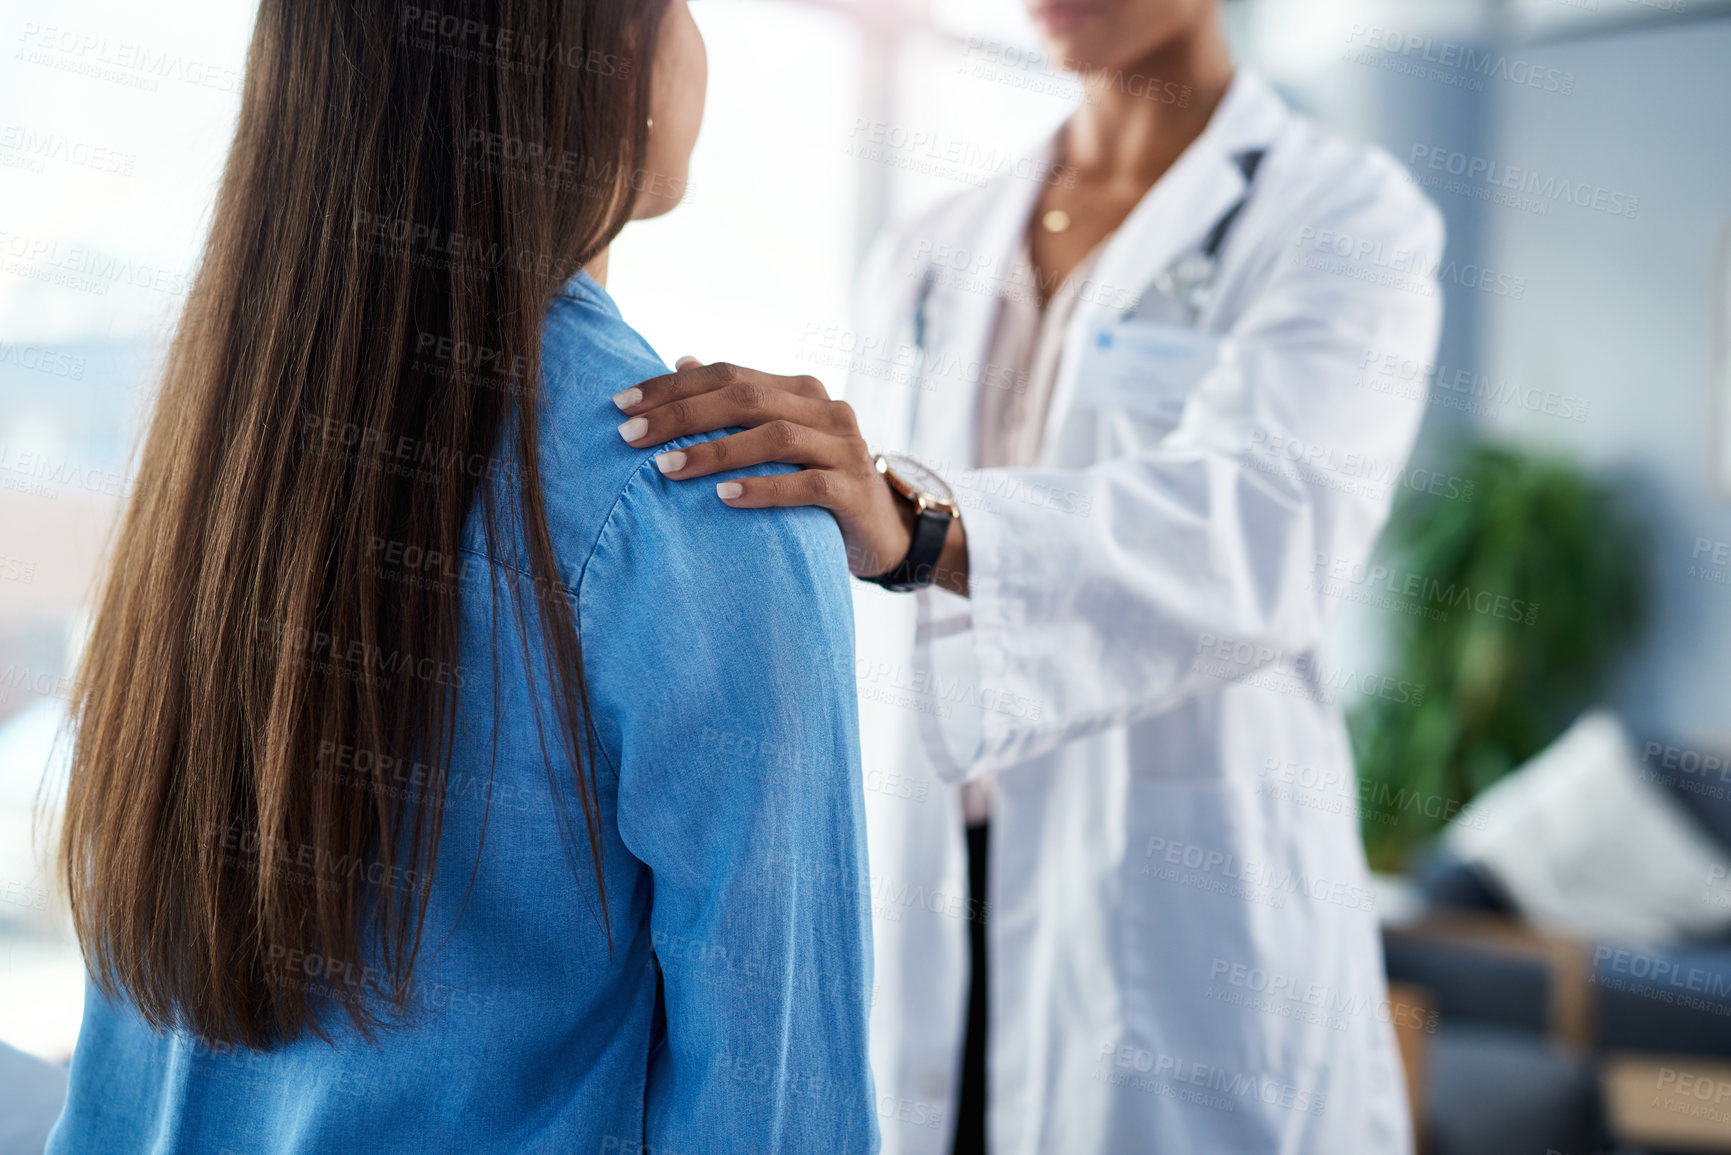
(934, 509)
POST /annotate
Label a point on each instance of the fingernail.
(633, 429)
(686, 363)
(628, 398)
(669, 462)
(728, 489)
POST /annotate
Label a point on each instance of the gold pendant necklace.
(1055, 221)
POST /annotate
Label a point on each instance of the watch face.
(919, 478)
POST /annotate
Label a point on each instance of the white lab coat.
(1184, 948)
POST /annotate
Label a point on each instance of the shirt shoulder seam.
(606, 523)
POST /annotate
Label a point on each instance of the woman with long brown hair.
(444, 778)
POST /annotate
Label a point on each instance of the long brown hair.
(356, 366)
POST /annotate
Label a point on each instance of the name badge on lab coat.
(1147, 368)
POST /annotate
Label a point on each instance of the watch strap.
(919, 567)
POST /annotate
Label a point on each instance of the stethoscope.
(1188, 280)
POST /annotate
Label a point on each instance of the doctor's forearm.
(952, 568)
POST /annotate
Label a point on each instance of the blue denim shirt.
(729, 1013)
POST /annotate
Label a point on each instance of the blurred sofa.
(1558, 1043)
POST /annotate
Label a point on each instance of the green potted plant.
(1526, 597)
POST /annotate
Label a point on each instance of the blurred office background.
(1584, 393)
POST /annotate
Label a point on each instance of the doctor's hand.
(785, 419)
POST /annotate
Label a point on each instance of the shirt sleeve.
(718, 650)
(1193, 565)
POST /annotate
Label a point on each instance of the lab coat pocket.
(1144, 369)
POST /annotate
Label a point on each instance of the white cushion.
(1585, 844)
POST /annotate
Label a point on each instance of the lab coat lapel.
(1172, 219)
(961, 311)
